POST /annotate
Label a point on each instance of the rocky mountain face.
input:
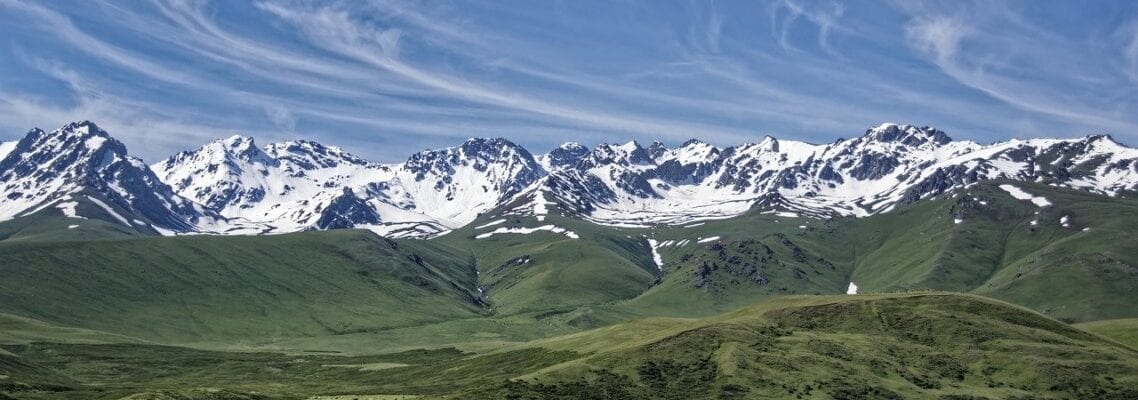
(298, 185)
(234, 186)
(81, 162)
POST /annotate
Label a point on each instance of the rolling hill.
(920, 345)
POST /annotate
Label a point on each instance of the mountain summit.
(81, 162)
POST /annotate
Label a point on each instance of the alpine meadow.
(600, 211)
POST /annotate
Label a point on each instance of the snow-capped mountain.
(889, 165)
(284, 187)
(81, 162)
(299, 185)
(233, 186)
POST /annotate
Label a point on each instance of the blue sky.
(386, 78)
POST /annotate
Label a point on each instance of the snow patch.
(6, 148)
(957, 220)
(72, 226)
(526, 231)
(1064, 221)
(852, 289)
(709, 239)
(68, 208)
(491, 223)
(540, 206)
(1019, 194)
(109, 210)
(656, 258)
(95, 142)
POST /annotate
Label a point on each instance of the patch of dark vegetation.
(732, 267)
(604, 385)
(658, 379)
(218, 394)
(845, 390)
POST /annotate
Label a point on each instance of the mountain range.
(234, 186)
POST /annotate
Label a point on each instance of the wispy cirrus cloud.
(391, 77)
(998, 52)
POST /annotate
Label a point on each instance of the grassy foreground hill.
(918, 345)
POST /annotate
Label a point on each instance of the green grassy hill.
(236, 291)
(933, 346)
(919, 345)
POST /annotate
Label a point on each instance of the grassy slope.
(50, 224)
(755, 257)
(235, 290)
(1065, 272)
(561, 273)
(1124, 330)
(921, 345)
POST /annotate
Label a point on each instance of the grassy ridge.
(932, 346)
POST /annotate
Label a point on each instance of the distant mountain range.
(234, 186)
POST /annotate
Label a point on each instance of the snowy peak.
(454, 184)
(307, 155)
(76, 147)
(627, 154)
(691, 152)
(479, 153)
(284, 187)
(906, 134)
(567, 154)
(220, 174)
(768, 144)
(242, 147)
(68, 154)
(45, 167)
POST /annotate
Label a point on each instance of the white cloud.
(280, 117)
(937, 36)
(1130, 54)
